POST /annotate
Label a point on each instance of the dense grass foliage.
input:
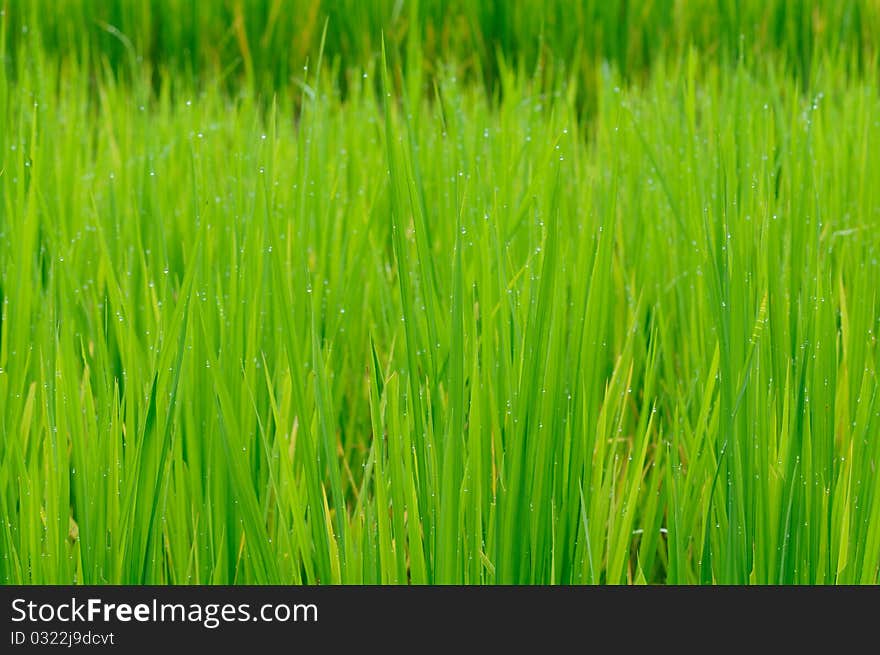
(404, 330)
(265, 43)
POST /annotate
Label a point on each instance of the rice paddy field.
(439, 292)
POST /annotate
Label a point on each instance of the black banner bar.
(407, 619)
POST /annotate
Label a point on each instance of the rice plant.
(380, 293)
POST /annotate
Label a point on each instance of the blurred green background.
(266, 43)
